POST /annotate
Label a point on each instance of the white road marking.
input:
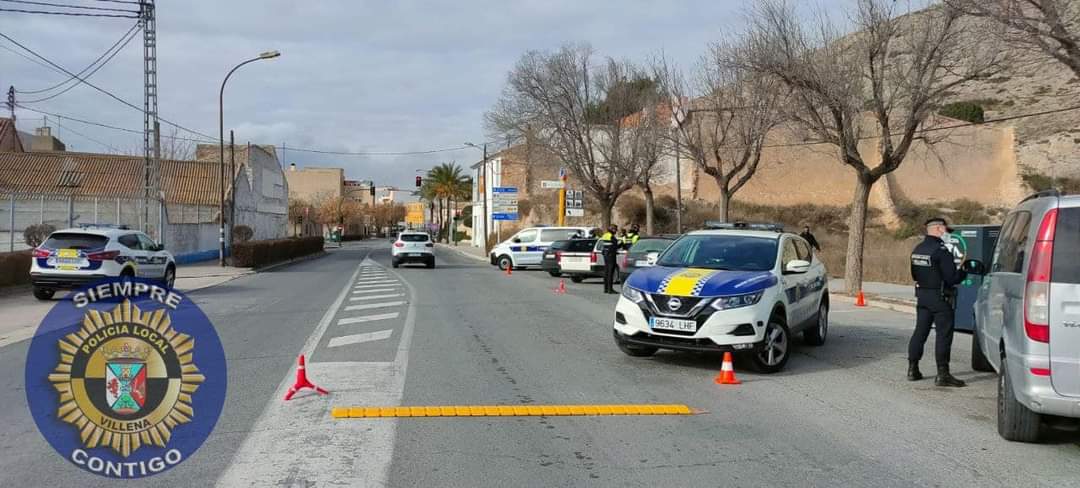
(368, 318)
(370, 284)
(333, 452)
(360, 338)
(376, 297)
(368, 306)
(373, 290)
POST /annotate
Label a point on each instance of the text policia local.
(126, 289)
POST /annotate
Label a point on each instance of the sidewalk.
(465, 250)
(195, 276)
(899, 298)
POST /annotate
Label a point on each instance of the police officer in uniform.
(611, 253)
(936, 277)
(633, 236)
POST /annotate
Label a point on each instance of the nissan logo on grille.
(674, 304)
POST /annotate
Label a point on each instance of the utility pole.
(151, 142)
(11, 102)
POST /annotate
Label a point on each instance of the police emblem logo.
(126, 379)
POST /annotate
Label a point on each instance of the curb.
(286, 263)
(463, 253)
(876, 302)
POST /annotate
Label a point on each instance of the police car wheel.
(1015, 421)
(774, 352)
(170, 277)
(505, 262)
(554, 274)
(43, 293)
(577, 279)
(394, 263)
(636, 351)
(815, 336)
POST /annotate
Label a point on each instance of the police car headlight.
(632, 294)
(737, 301)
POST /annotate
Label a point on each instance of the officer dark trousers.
(932, 309)
(609, 270)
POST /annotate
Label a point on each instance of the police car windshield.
(736, 253)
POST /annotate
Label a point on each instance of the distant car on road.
(741, 288)
(526, 248)
(1027, 315)
(413, 247)
(70, 258)
(643, 254)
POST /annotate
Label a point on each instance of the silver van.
(1027, 315)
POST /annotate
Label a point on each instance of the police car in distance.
(71, 258)
(744, 288)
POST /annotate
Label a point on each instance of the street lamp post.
(221, 141)
(483, 189)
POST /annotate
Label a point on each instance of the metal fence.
(20, 210)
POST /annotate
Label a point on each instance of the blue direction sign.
(504, 203)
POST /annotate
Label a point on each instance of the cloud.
(354, 75)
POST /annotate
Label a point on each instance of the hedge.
(15, 268)
(254, 254)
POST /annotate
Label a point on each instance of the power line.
(84, 136)
(130, 2)
(107, 126)
(84, 70)
(102, 90)
(379, 153)
(70, 14)
(63, 5)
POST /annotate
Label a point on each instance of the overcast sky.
(353, 76)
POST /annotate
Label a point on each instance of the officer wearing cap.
(936, 277)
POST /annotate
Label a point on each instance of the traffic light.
(419, 181)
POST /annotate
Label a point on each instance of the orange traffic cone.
(727, 372)
(302, 381)
(509, 270)
(561, 289)
(860, 299)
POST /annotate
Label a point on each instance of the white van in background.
(526, 248)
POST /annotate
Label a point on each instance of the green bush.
(254, 254)
(913, 216)
(1040, 182)
(15, 268)
(968, 111)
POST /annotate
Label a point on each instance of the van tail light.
(41, 253)
(399, 244)
(1040, 371)
(1037, 291)
(592, 258)
(103, 255)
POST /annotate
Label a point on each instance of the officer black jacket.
(932, 266)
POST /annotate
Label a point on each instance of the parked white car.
(71, 258)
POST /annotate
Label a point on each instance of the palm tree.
(447, 183)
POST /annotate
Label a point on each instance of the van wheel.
(815, 336)
(1015, 421)
(505, 262)
(978, 358)
(43, 293)
(577, 279)
(554, 274)
(774, 353)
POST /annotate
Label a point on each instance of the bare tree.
(1048, 26)
(577, 109)
(879, 84)
(724, 129)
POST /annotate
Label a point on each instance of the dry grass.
(886, 258)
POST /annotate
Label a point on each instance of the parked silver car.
(1028, 315)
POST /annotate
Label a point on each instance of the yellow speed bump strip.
(511, 411)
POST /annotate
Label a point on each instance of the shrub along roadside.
(15, 268)
(255, 254)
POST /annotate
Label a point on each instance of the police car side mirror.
(516, 241)
(797, 266)
(651, 258)
(973, 266)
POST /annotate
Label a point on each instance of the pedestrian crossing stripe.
(510, 411)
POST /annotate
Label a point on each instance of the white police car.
(71, 258)
(741, 288)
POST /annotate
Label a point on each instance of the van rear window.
(72, 240)
(1067, 247)
(581, 245)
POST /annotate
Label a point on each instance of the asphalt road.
(464, 334)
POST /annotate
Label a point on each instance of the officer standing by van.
(936, 277)
(611, 253)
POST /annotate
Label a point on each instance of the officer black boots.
(946, 379)
(913, 373)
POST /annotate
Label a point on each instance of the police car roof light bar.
(717, 225)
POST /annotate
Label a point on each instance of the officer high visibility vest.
(606, 237)
(632, 238)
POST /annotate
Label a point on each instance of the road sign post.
(562, 197)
